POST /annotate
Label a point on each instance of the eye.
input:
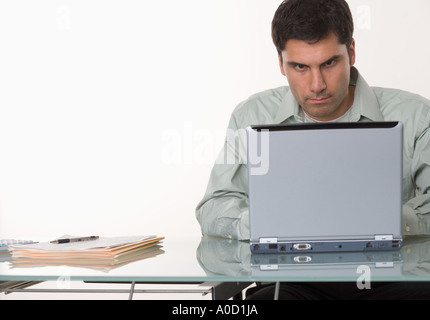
(300, 67)
(330, 63)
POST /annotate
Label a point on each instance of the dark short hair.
(312, 20)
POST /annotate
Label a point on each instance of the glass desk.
(203, 260)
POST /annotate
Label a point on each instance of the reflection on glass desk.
(234, 259)
(223, 260)
(333, 266)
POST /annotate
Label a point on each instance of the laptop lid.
(325, 182)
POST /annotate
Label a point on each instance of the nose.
(317, 82)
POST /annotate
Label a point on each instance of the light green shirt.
(223, 210)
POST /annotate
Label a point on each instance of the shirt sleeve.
(416, 212)
(223, 211)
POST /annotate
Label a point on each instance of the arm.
(223, 211)
(416, 212)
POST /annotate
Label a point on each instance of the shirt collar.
(365, 106)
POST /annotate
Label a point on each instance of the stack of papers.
(103, 253)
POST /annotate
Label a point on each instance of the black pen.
(59, 241)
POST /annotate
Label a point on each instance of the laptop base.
(326, 246)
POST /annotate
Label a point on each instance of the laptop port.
(369, 245)
(302, 246)
(273, 246)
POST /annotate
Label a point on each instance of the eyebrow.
(294, 64)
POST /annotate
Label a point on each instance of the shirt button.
(408, 229)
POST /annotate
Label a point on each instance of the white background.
(113, 112)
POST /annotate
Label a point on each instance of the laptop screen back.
(331, 181)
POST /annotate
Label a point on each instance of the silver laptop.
(325, 187)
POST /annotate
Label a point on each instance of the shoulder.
(260, 108)
(391, 99)
(411, 109)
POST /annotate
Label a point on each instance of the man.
(316, 53)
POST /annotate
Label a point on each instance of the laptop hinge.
(268, 240)
(383, 237)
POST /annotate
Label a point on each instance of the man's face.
(319, 75)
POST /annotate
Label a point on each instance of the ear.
(352, 53)
(281, 64)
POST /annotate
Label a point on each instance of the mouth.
(318, 100)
